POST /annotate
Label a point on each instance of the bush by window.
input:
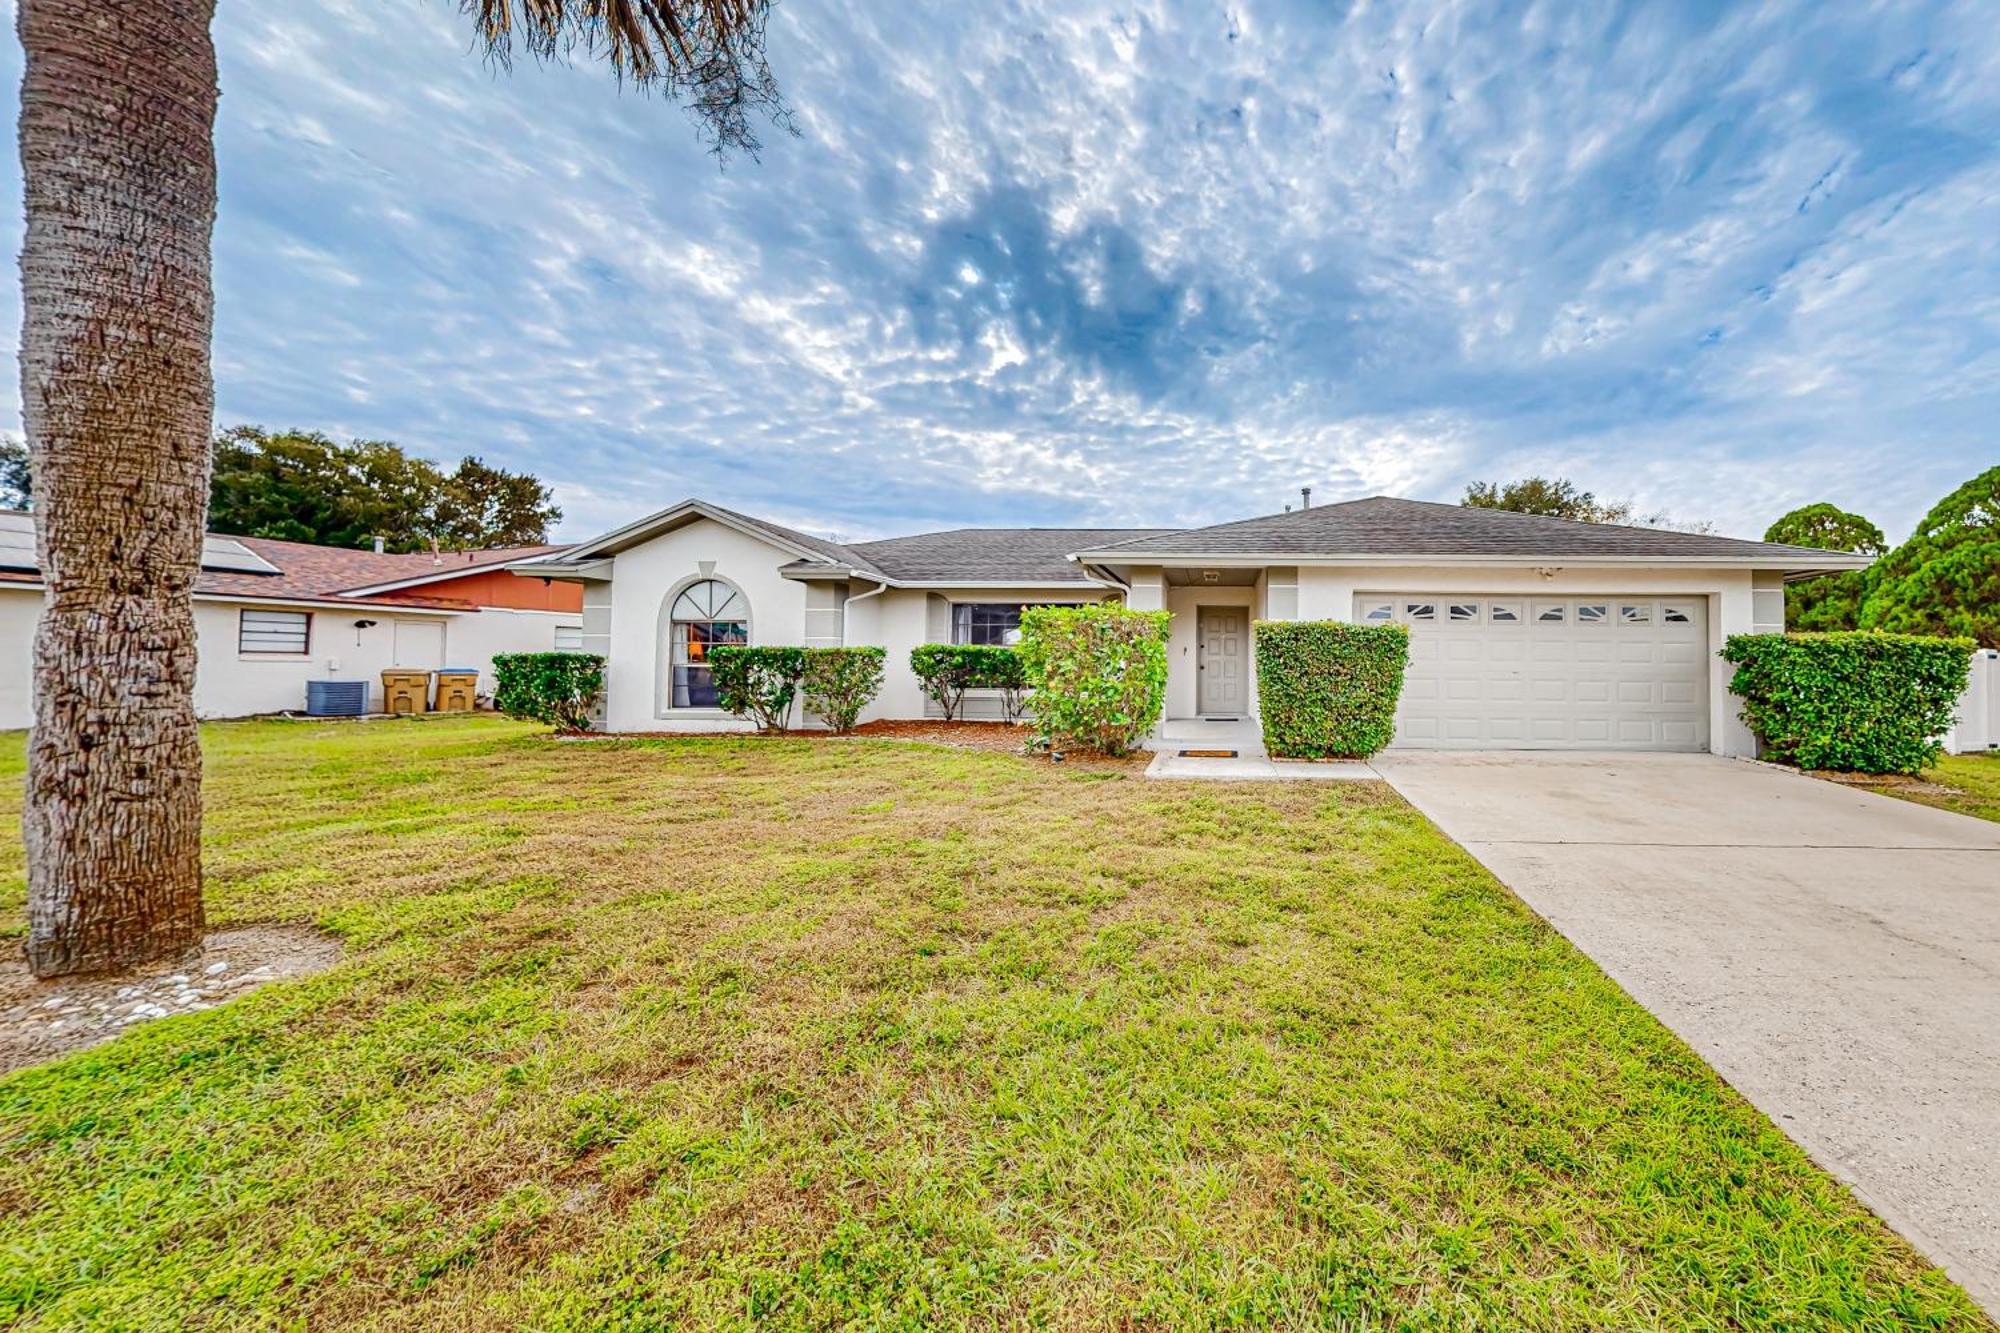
(560, 689)
(758, 683)
(1852, 702)
(1098, 672)
(1327, 689)
(839, 682)
(946, 671)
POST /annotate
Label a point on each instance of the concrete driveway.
(1834, 954)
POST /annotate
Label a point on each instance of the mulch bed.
(40, 1020)
(1897, 782)
(1001, 737)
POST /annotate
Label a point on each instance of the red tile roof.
(322, 573)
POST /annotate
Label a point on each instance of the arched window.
(706, 614)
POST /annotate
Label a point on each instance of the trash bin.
(457, 689)
(336, 698)
(405, 691)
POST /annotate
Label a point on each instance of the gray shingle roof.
(1385, 526)
(992, 555)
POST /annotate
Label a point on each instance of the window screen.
(273, 632)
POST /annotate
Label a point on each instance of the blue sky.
(1060, 262)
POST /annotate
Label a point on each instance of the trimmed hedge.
(839, 682)
(559, 689)
(1327, 689)
(947, 670)
(1099, 673)
(1854, 702)
(757, 682)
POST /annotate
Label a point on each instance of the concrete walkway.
(1833, 953)
(1251, 762)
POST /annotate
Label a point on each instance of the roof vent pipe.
(378, 546)
(1305, 497)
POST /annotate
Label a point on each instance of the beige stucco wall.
(229, 683)
(1183, 681)
(647, 578)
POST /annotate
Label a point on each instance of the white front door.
(1517, 672)
(1221, 660)
(420, 644)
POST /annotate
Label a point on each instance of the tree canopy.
(15, 486)
(302, 486)
(1556, 497)
(1946, 578)
(1830, 602)
(1559, 497)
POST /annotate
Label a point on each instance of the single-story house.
(271, 615)
(1527, 631)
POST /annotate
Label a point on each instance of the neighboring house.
(271, 615)
(1527, 632)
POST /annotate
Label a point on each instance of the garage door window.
(1463, 611)
(1635, 615)
(1552, 612)
(1421, 610)
(1591, 615)
(1504, 614)
(1673, 615)
(1381, 611)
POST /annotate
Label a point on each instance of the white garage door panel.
(1606, 672)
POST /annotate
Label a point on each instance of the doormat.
(1208, 754)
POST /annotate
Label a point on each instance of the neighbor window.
(1591, 615)
(995, 624)
(273, 633)
(705, 615)
(569, 638)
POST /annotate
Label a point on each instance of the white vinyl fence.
(1979, 710)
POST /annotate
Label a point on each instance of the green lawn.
(802, 1034)
(1971, 784)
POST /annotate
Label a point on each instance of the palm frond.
(706, 54)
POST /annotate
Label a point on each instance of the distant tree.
(301, 486)
(1831, 601)
(16, 486)
(1946, 578)
(488, 506)
(1555, 497)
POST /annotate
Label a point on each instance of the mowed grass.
(734, 1032)
(1972, 783)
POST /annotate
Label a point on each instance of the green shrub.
(1099, 673)
(757, 682)
(839, 682)
(560, 689)
(947, 670)
(1327, 689)
(1855, 702)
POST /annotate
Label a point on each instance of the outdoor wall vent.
(1211, 576)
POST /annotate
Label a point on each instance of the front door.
(1221, 660)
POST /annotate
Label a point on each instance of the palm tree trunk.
(118, 162)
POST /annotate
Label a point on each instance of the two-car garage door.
(1550, 673)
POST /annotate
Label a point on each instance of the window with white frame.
(706, 615)
(569, 638)
(273, 633)
(996, 624)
